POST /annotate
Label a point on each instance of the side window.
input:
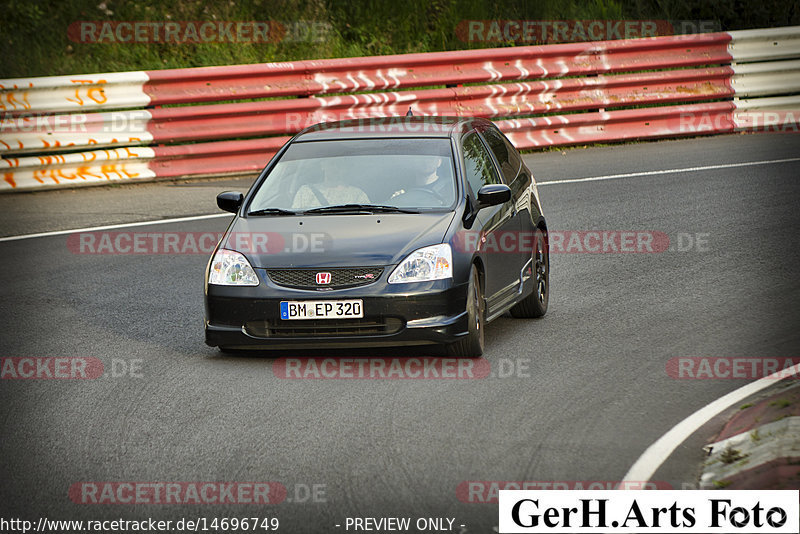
(504, 152)
(478, 163)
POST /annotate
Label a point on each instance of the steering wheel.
(431, 194)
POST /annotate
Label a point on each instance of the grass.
(781, 403)
(36, 43)
(731, 455)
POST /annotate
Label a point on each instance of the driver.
(428, 178)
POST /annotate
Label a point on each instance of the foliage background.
(34, 42)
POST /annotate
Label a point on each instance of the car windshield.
(415, 174)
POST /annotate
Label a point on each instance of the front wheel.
(535, 304)
(472, 345)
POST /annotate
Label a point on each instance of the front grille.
(324, 328)
(340, 278)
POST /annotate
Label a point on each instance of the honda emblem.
(323, 278)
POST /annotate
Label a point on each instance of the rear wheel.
(471, 346)
(535, 304)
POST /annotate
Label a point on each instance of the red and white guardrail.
(63, 131)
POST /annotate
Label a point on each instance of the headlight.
(425, 264)
(229, 268)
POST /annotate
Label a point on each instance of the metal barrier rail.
(286, 116)
(64, 131)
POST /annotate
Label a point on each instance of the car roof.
(389, 128)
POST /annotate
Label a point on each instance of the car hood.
(335, 240)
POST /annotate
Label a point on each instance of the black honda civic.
(380, 232)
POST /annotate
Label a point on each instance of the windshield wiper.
(272, 211)
(368, 208)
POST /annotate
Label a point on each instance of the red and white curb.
(759, 447)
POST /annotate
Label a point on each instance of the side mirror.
(230, 201)
(492, 195)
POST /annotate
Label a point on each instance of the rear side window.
(478, 164)
(504, 152)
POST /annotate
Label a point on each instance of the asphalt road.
(589, 392)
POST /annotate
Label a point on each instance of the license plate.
(322, 309)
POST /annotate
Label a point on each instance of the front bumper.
(394, 314)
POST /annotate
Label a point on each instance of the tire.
(535, 304)
(471, 346)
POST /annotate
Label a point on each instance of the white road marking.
(655, 455)
(667, 171)
(115, 226)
